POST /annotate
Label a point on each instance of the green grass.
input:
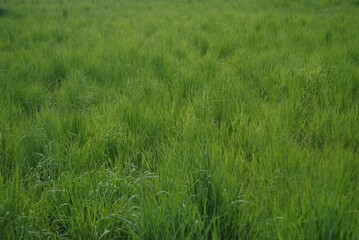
(179, 119)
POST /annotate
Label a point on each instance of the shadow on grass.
(3, 12)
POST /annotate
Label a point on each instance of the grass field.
(179, 119)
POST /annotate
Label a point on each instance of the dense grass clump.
(179, 119)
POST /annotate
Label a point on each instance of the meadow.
(159, 119)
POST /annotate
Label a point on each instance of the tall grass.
(179, 119)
